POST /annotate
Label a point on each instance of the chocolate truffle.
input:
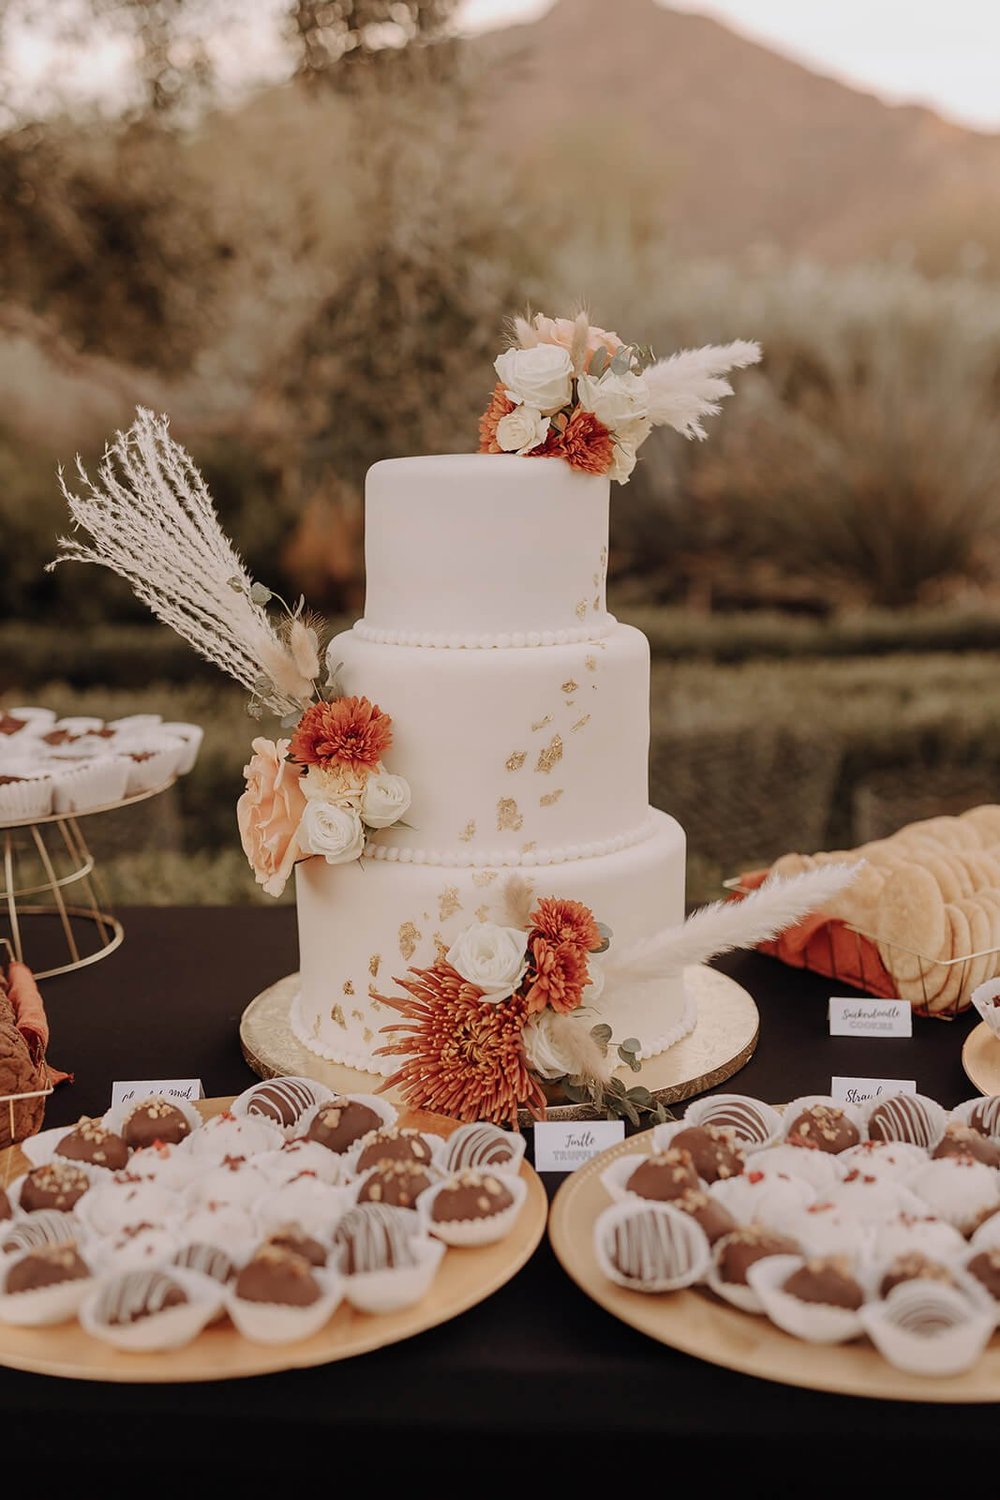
(276, 1275)
(912, 1265)
(342, 1122)
(398, 1183)
(209, 1260)
(744, 1117)
(394, 1144)
(712, 1150)
(48, 1266)
(374, 1236)
(47, 1227)
(707, 1212)
(827, 1280)
(985, 1116)
(823, 1127)
(136, 1295)
(292, 1238)
(903, 1117)
(962, 1140)
(745, 1246)
(479, 1145)
(282, 1100)
(57, 1185)
(155, 1120)
(985, 1267)
(648, 1248)
(90, 1141)
(6, 1212)
(663, 1175)
(471, 1194)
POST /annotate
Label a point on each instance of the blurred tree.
(331, 38)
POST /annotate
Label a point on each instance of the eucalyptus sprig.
(612, 1098)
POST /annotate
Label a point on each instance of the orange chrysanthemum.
(566, 922)
(557, 976)
(500, 406)
(348, 732)
(585, 443)
(465, 1057)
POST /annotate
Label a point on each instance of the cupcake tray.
(698, 1323)
(464, 1278)
(63, 817)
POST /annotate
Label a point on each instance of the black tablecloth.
(538, 1366)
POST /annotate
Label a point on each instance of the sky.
(941, 53)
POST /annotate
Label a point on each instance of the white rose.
(541, 1052)
(335, 832)
(332, 784)
(541, 377)
(622, 462)
(490, 957)
(522, 429)
(384, 800)
(595, 988)
(614, 399)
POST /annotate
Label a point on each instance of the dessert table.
(536, 1364)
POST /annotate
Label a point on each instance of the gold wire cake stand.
(722, 1042)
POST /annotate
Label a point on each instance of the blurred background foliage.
(314, 274)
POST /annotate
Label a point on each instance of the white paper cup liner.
(115, 1117)
(770, 1198)
(821, 1170)
(395, 1287)
(898, 1327)
(932, 1113)
(44, 1307)
(744, 1107)
(962, 1113)
(241, 1104)
(439, 1150)
(387, 1113)
(894, 1160)
(38, 719)
(160, 763)
(114, 1205)
(191, 735)
(227, 1134)
(311, 1205)
(136, 722)
(29, 798)
(170, 1329)
(79, 786)
(691, 1254)
(301, 1158)
(795, 1108)
(471, 1232)
(272, 1323)
(956, 1190)
(814, 1322)
(986, 999)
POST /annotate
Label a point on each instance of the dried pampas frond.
(689, 385)
(571, 1038)
(517, 898)
(151, 520)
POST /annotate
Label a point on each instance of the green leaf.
(630, 1112)
(662, 1114)
(606, 936)
(236, 583)
(630, 1044)
(290, 721)
(260, 593)
(602, 1036)
(615, 1086)
(640, 1095)
(598, 362)
(573, 1091)
(254, 710)
(634, 1063)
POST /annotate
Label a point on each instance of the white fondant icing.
(519, 640)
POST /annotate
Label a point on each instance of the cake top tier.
(471, 549)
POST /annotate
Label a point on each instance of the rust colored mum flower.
(498, 408)
(585, 443)
(566, 922)
(347, 732)
(465, 1057)
(557, 976)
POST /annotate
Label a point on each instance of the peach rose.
(561, 330)
(269, 812)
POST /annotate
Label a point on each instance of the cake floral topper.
(570, 390)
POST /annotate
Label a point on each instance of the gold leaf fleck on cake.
(581, 608)
(569, 687)
(356, 1015)
(441, 947)
(337, 1016)
(580, 722)
(315, 1028)
(484, 877)
(590, 663)
(508, 815)
(469, 831)
(550, 798)
(367, 1035)
(597, 580)
(551, 755)
(516, 759)
(409, 937)
(448, 902)
(348, 987)
(481, 913)
(372, 992)
(541, 724)
(374, 964)
(527, 848)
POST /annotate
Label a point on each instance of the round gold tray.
(981, 1059)
(722, 1042)
(698, 1323)
(465, 1277)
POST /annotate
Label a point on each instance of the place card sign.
(876, 1018)
(860, 1090)
(564, 1145)
(141, 1088)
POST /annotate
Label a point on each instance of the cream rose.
(334, 832)
(594, 989)
(540, 1050)
(522, 429)
(490, 957)
(333, 784)
(614, 399)
(268, 814)
(623, 457)
(541, 377)
(384, 800)
(563, 331)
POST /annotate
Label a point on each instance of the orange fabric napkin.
(32, 1022)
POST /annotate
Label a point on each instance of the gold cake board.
(722, 1042)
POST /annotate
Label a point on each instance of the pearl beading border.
(499, 858)
(442, 641)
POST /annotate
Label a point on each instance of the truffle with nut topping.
(394, 1143)
(745, 1246)
(91, 1142)
(713, 1151)
(828, 1280)
(155, 1120)
(49, 1265)
(823, 1127)
(913, 1265)
(398, 1183)
(57, 1185)
(340, 1123)
(471, 1194)
(278, 1276)
(664, 1175)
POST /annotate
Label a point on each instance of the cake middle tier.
(512, 756)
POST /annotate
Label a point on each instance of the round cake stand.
(722, 1042)
(981, 1059)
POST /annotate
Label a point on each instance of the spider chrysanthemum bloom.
(585, 443)
(500, 406)
(348, 732)
(557, 976)
(566, 922)
(464, 1056)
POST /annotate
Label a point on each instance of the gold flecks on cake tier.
(551, 755)
(374, 964)
(570, 687)
(541, 724)
(356, 1015)
(550, 798)
(448, 902)
(590, 663)
(597, 601)
(367, 1036)
(348, 987)
(581, 608)
(440, 947)
(481, 913)
(315, 1029)
(483, 877)
(529, 846)
(516, 759)
(581, 722)
(409, 937)
(469, 831)
(337, 1016)
(508, 815)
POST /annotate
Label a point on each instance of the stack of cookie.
(929, 897)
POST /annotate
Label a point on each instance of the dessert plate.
(981, 1059)
(698, 1323)
(465, 1277)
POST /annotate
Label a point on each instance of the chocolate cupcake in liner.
(818, 1168)
(283, 1322)
(281, 1101)
(927, 1328)
(120, 1203)
(754, 1123)
(740, 1293)
(80, 786)
(138, 1311)
(986, 999)
(489, 1226)
(302, 1159)
(480, 1144)
(395, 1287)
(913, 1118)
(773, 1198)
(921, 1232)
(868, 1199)
(375, 1113)
(650, 1247)
(231, 1135)
(816, 1322)
(982, 1114)
(191, 736)
(24, 794)
(957, 1189)
(831, 1130)
(141, 1128)
(43, 1287)
(893, 1160)
(313, 1205)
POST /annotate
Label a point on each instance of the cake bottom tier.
(362, 924)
